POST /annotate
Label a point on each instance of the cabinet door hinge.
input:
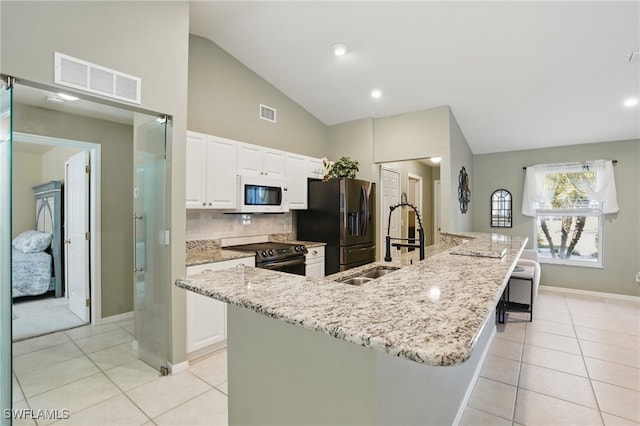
(88, 303)
(87, 169)
(87, 236)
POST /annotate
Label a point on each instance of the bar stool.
(522, 288)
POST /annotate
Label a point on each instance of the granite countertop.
(200, 252)
(429, 311)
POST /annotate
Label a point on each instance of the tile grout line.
(122, 391)
(100, 371)
(593, 391)
(190, 399)
(521, 361)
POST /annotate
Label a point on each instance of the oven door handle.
(274, 265)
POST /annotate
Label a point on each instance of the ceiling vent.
(83, 75)
(268, 113)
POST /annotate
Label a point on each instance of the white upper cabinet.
(211, 172)
(297, 166)
(315, 169)
(259, 160)
(214, 163)
(196, 190)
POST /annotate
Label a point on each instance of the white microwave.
(262, 194)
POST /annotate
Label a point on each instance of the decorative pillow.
(32, 241)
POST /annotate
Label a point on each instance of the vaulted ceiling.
(517, 75)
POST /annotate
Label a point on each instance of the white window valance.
(604, 190)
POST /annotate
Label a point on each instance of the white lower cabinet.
(314, 262)
(207, 317)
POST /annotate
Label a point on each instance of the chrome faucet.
(410, 241)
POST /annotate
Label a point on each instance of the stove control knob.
(264, 253)
(270, 252)
(297, 248)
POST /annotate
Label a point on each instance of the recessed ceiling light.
(67, 97)
(376, 93)
(339, 49)
(436, 159)
(631, 102)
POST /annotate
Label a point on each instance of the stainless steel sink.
(370, 275)
(357, 281)
(378, 272)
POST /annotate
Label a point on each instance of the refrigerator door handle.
(353, 250)
(363, 211)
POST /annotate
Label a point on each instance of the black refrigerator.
(341, 213)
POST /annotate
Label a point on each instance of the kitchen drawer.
(314, 252)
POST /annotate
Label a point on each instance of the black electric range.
(282, 257)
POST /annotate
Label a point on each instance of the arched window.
(501, 209)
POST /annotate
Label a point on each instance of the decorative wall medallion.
(464, 193)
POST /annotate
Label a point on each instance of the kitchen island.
(402, 349)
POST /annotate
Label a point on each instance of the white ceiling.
(38, 97)
(517, 75)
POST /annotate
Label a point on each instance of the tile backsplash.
(210, 225)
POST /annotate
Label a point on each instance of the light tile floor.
(577, 363)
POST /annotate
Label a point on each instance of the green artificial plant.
(344, 167)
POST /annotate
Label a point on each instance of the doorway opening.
(390, 191)
(47, 134)
(75, 300)
(414, 196)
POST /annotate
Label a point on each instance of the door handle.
(364, 211)
(135, 218)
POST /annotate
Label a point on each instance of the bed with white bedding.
(31, 273)
(37, 255)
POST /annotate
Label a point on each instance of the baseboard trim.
(178, 368)
(206, 350)
(117, 317)
(614, 296)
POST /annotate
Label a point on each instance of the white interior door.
(76, 231)
(414, 196)
(390, 183)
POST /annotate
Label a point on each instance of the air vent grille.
(268, 113)
(97, 79)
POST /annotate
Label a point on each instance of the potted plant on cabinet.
(344, 167)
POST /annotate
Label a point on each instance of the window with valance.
(568, 202)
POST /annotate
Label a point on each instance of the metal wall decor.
(501, 209)
(464, 193)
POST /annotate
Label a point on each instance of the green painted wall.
(26, 172)
(116, 142)
(29, 169)
(621, 251)
(224, 100)
(354, 139)
(147, 39)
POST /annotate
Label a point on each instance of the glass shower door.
(151, 242)
(5, 254)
